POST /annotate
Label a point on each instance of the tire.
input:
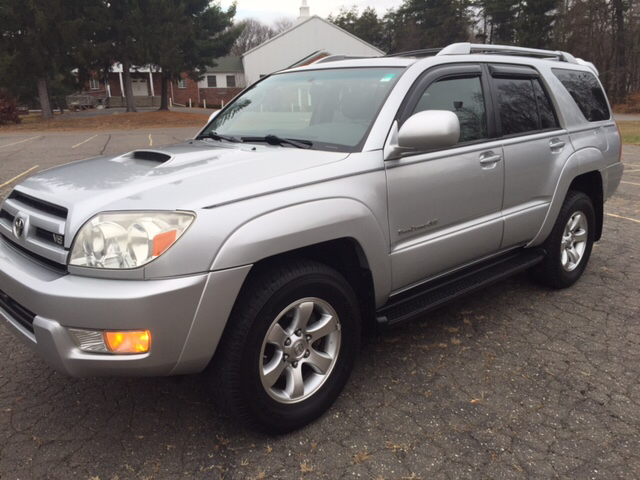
(570, 242)
(289, 347)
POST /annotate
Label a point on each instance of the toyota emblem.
(18, 227)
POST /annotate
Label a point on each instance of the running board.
(431, 295)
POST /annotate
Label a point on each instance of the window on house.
(212, 81)
(231, 81)
(182, 83)
(94, 84)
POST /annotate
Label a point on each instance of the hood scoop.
(150, 158)
(151, 155)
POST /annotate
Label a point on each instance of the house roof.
(300, 24)
(226, 64)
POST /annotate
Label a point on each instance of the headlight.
(127, 240)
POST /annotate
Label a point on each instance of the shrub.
(631, 105)
(8, 109)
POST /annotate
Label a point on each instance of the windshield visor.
(331, 109)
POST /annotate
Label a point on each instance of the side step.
(431, 295)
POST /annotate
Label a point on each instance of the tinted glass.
(518, 106)
(333, 108)
(462, 96)
(586, 92)
(547, 115)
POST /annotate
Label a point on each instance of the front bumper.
(186, 316)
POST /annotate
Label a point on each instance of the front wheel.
(289, 348)
(570, 242)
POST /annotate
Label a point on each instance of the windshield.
(325, 109)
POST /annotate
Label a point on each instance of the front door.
(445, 205)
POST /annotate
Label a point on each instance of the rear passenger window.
(462, 96)
(586, 92)
(524, 106)
(547, 116)
(517, 103)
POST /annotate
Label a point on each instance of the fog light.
(89, 340)
(137, 341)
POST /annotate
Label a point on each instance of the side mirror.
(429, 129)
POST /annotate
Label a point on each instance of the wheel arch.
(339, 232)
(590, 183)
(581, 172)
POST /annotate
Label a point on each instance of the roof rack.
(424, 52)
(468, 48)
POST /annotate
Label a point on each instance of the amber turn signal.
(138, 341)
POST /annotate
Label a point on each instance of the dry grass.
(630, 132)
(115, 121)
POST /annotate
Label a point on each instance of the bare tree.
(254, 32)
(282, 24)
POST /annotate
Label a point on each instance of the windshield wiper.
(276, 140)
(217, 136)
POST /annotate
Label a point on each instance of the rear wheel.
(289, 348)
(570, 242)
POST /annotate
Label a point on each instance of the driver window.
(462, 96)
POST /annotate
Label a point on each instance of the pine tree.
(37, 43)
(186, 36)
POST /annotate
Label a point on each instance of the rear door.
(535, 149)
(444, 205)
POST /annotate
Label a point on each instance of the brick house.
(218, 86)
(310, 39)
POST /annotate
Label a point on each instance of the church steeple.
(304, 12)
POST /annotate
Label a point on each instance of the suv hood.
(184, 176)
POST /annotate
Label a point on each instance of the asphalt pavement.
(516, 381)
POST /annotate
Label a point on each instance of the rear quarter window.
(586, 91)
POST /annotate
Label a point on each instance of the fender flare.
(582, 161)
(305, 224)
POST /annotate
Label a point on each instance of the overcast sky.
(270, 10)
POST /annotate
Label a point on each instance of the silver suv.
(323, 201)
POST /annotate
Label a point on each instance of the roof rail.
(424, 52)
(468, 48)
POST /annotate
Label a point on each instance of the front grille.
(49, 237)
(44, 261)
(20, 314)
(40, 205)
(7, 216)
(43, 227)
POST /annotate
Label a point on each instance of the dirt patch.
(115, 121)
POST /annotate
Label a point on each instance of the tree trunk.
(166, 77)
(45, 101)
(620, 80)
(128, 89)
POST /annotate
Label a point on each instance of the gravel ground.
(516, 381)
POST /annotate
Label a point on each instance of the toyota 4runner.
(323, 201)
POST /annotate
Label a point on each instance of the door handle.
(489, 158)
(556, 144)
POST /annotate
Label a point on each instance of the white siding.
(221, 80)
(299, 42)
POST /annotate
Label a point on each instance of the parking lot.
(514, 381)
